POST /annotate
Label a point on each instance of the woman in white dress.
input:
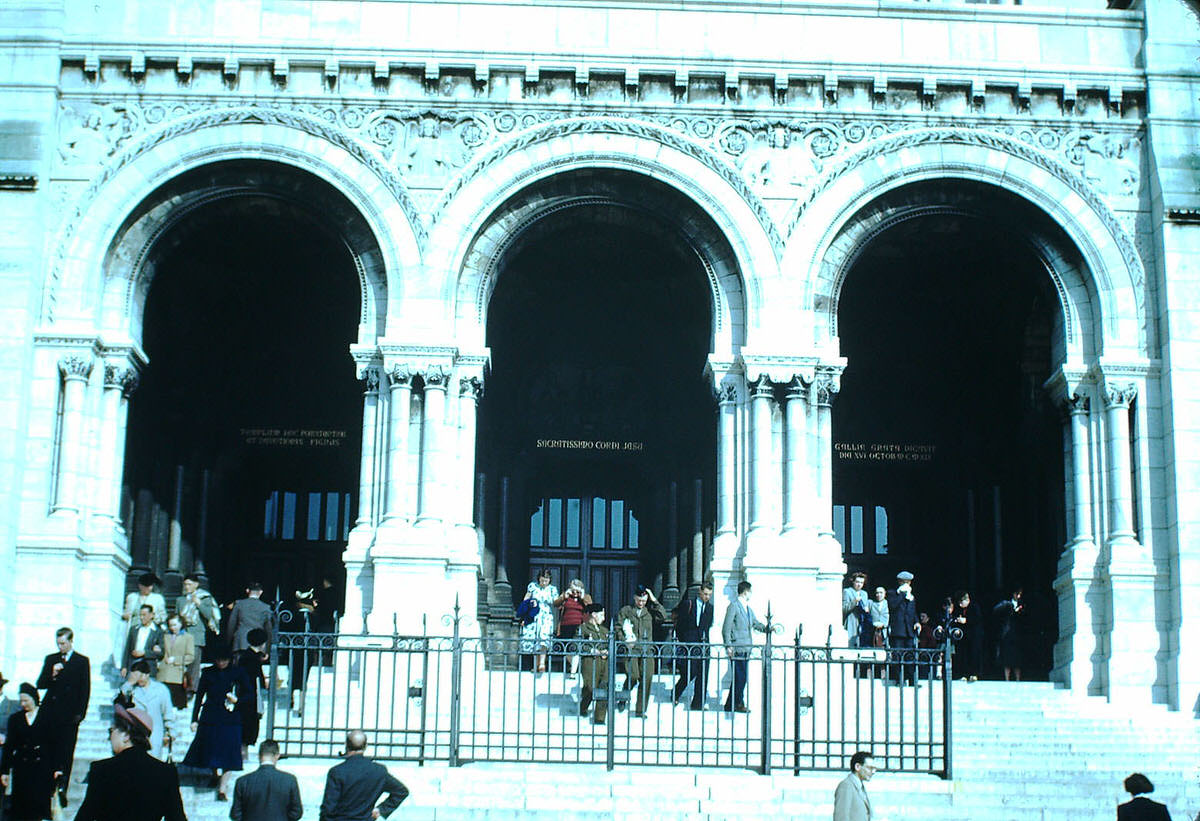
(538, 633)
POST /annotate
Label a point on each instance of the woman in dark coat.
(25, 766)
(251, 660)
(1008, 635)
(217, 721)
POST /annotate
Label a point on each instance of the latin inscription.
(293, 437)
(884, 452)
(588, 444)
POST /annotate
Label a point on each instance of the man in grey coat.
(850, 801)
(248, 614)
(735, 632)
(200, 614)
(267, 794)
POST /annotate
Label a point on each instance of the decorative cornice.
(621, 126)
(1188, 216)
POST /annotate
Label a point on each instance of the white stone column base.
(1081, 599)
(1134, 641)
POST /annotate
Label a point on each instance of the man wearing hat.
(132, 785)
(904, 627)
(145, 594)
(248, 614)
(200, 614)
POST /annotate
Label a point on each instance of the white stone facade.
(785, 123)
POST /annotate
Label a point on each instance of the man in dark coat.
(67, 679)
(353, 787)
(1141, 808)
(132, 785)
(693, 621)
(903, 628)
(267, 794)
(248, 614)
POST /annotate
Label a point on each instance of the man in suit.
(353, 787)
(132, 785)
(67, 679)
(850, 801)
(903, 628)
(200, 614)
(1140, 808)
(735, 632)
(267, 794)
(693, 621)
(144, 642)
(248, 614)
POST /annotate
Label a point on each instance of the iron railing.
(461, 698)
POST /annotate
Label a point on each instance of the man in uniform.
(200, 613)
(636, 622)
(595, 662)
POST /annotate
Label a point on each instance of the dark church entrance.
(948, 456)
(597, 428)
(244, 436)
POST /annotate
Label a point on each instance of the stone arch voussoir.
(1103, 311)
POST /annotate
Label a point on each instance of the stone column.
(430, 512)
(727, 460)
(697, 556)
(119, 384)
(798, 485)
(1119, 397)
(761, 484)
(399, 406)
(466, 540)
(76, 370)
(366, 476)
(824, 388)
(1134, 640)
(1075, 582)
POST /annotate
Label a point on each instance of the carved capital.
(796, 388)
(121, 377)
(370, 375)
(1077, 405)
(826, 384)
(400, 376)
(762, 388)
(436, 377)
(75, 366)
(471, 387)
(727, 393)
(1119, 394)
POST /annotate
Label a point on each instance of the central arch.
(604, 294)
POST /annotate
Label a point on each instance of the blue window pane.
(881, 534)
(572, 523)
(269, 512)
(554, 526)
(331, 516)
(313, 531)
(289, 515)
(839, 525)
(535, 528)
(633, 530)
(598, 524)
(346, 516)
(618, 524)
(856, 529)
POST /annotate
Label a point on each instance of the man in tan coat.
(635, 623)
(850, 801)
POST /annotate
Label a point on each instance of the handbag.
(527, 611)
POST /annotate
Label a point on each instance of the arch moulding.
(1108, 289)
(80, 281)
(470, 208)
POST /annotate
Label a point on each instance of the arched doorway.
(948, 454)
(244, 437)
(597, 426)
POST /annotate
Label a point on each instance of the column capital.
(826, 384)
(436, 377)
(1119, 394)
(1077, 405)
(399, 376)
(76, 366)
(762, 387)
(470, 387)
(121, 376)
(797, 387)
(370, 374)
(727, 392)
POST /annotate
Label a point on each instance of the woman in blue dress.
(217, 721)
(537, 634)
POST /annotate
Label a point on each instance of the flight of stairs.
(1022, 752)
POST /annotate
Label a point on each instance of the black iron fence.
(461, 698)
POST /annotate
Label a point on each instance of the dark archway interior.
(598, 420)
(246, 428)
(948, 451)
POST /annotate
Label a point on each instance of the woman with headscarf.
(217, 721)
(26, 766)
